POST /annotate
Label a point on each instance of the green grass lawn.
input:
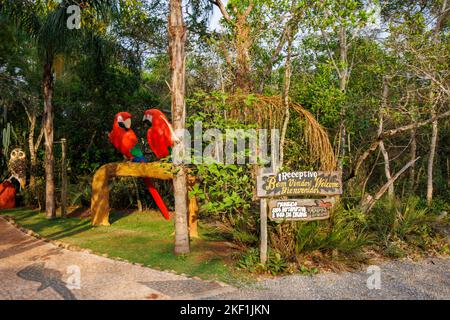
(144, 238)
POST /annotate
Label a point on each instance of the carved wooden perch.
(157, 170)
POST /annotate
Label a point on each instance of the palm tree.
(45, 22)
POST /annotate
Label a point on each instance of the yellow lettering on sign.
(294, 183)
(272, 184)
(324, 183)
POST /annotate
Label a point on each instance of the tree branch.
(389, 133)
(39, 139)
(222, 8)
(368, 205)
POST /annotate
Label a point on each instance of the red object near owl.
(160, 135)
(7, 195)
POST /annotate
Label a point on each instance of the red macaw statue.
(160, 135)
(126, 142)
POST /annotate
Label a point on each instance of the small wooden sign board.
(300, 209)
(299, 183)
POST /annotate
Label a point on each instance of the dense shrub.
(402, 226)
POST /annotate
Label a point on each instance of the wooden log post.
(263, 243)
(263, 202)
(158, 170)
(192, 210)
(63, 177)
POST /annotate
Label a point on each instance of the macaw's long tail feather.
(159, 201)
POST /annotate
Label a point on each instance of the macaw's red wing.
(7, 195)
(159, 140)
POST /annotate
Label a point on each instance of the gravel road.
(427, 279)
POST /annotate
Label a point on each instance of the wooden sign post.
(63, 143)
(283, 184)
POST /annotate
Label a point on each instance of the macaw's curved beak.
(147, 119)
(127, 123)
(124, 124)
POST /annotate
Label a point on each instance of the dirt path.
(34, 269)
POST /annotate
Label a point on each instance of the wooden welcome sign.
(283, 184)
(299, 183)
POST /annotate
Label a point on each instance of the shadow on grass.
(68, 231)
(34, 220)
(117, 215)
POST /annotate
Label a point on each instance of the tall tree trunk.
(33, 156)
(343, 74)
(243, 43)
(413, 152)
(177, 40)
(32, 183)
(343, 52)
(434, 134)
(387, 169)
(50, 207)
(287, 83)
(33, 145)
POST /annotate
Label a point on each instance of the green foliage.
(123, 193)
(276, 264)
(80, 194)
(403, 225)
(226, 188)
(225, 191)
(344, 232)
(35, 198)
(308, 271)
(250, 261)
(439, 206)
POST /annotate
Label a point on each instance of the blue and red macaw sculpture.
(126, 142)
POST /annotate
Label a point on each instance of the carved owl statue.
(17, 165)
